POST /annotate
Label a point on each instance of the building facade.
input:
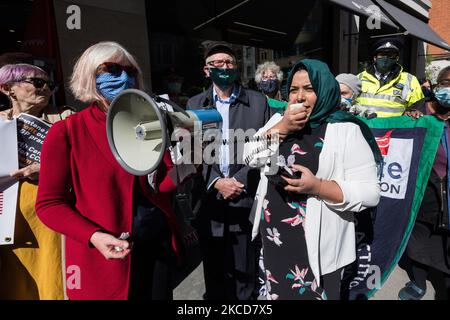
(166, 36)
(438, 58)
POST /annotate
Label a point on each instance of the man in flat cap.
(387, 90)
(230, 258)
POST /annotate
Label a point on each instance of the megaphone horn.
(136, 132)
(137, 129)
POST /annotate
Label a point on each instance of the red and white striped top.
(1, 202)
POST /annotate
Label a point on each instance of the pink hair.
(11, 73)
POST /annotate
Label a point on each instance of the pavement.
(193, 287)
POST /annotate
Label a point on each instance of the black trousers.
(152, 259)
(331, 283)
(420, 273)
(230, 258)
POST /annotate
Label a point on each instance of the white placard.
(9, 187)
(397, 163)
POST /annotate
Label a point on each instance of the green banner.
(409, 148)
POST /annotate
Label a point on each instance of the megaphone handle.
(175, 106)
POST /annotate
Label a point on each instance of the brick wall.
(440, 22)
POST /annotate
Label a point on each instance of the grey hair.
(268, 65)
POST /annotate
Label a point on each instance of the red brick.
(440, 22)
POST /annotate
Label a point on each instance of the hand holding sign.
(31, 132)
(31, 172)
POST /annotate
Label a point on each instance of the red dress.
(82, 160)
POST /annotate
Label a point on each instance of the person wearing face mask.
(120, 229)
(30, 269)
(387, 89)
(305, 211)
(427, 89)
(229, 257)
(173, 83)
(429, 245)
(268, 77)
(350, 87)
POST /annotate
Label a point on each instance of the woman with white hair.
(268, 78)
(102, 209)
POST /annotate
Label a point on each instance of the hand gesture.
(294, 119)
(109, 246)
(229, 188)
(414, 114)
(31, 172)
(307, 184)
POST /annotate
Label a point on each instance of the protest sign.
(31, 132)
(8, 186)
(408, 148)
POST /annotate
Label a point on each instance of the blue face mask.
(110, 85)
(269, 86)
(442, 95)
(346, 103)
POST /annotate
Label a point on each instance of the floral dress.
(285, 257)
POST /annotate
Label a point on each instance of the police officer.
(386, 88)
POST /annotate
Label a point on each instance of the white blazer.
(347, 159)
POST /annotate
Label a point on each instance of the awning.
(365, 8)
(413, 26)
(237, 21)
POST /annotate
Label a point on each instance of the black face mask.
(385, 64)
(223, 78)
(428, 93)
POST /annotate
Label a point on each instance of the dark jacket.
(434, 209)
(250, 110)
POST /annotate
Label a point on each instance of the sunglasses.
(39, 83)
(116, 69)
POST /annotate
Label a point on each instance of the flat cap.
(213, 47)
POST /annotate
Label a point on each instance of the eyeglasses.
(39, 83)
(444, 83)
(221, 63)
(271, 77)
(116, 69)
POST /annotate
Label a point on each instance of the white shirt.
(329, 227)
(223, 106)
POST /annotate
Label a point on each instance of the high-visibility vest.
(393, 98)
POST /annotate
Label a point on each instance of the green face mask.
(385, 64)
(223, 78)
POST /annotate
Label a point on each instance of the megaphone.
(138, 129)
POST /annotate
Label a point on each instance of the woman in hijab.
(304, 211)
